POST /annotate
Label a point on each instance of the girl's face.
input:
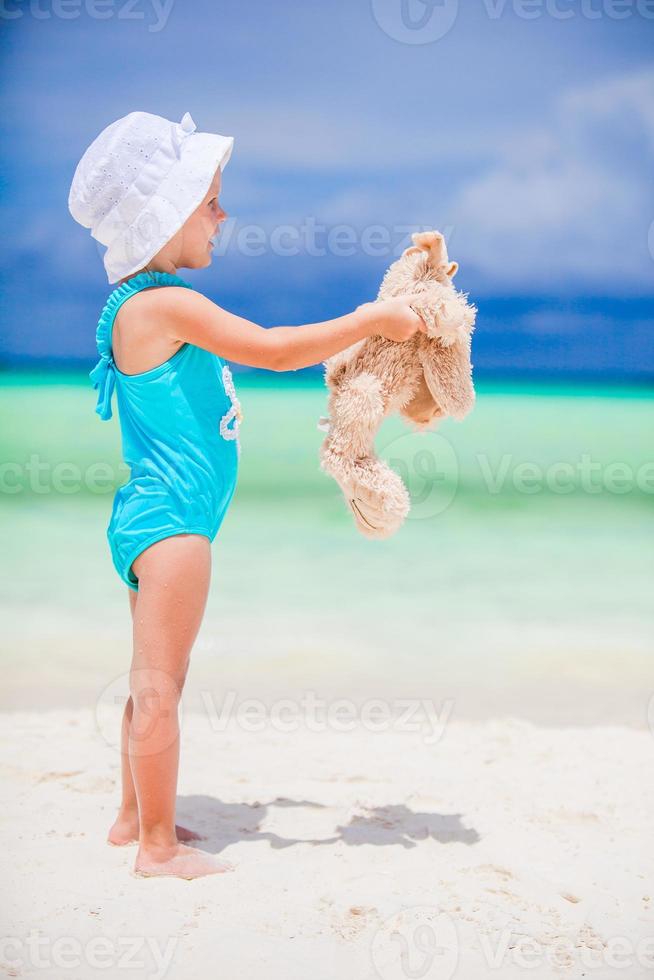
(192, 245)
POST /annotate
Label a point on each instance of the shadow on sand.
(222, 824)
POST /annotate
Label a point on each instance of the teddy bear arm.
(448, 377)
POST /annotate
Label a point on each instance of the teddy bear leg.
(377, 498)
(357, 411)
(374, 493)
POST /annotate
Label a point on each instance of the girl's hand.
(393, 318)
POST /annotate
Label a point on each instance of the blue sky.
(524, 130)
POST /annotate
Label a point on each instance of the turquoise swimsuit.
(179, 423)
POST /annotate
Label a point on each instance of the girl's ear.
(453, 269)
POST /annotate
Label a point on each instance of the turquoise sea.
(520, 585)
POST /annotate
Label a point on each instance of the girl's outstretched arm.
(190, 317)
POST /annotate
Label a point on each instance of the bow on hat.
(181, 131)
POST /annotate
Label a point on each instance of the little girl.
(149, 191)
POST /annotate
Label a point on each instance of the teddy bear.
(425, 379)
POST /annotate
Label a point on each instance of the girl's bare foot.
(178, 861)
(125, 830)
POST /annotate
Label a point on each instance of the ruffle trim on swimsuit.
(234, 413)
(103, 375)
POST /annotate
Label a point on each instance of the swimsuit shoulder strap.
(103, 375)
(145, 280)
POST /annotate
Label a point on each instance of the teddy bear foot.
(375, 494)
(371, 520)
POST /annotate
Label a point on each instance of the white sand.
(353, 850)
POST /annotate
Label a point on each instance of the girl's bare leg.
(125, 829)
(173, 586)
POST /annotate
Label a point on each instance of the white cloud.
(570, 200)
(563, 203)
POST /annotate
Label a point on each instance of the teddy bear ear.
(411, 250)
(439, 248)
(453, 269)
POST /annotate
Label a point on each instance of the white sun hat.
(139, 181)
